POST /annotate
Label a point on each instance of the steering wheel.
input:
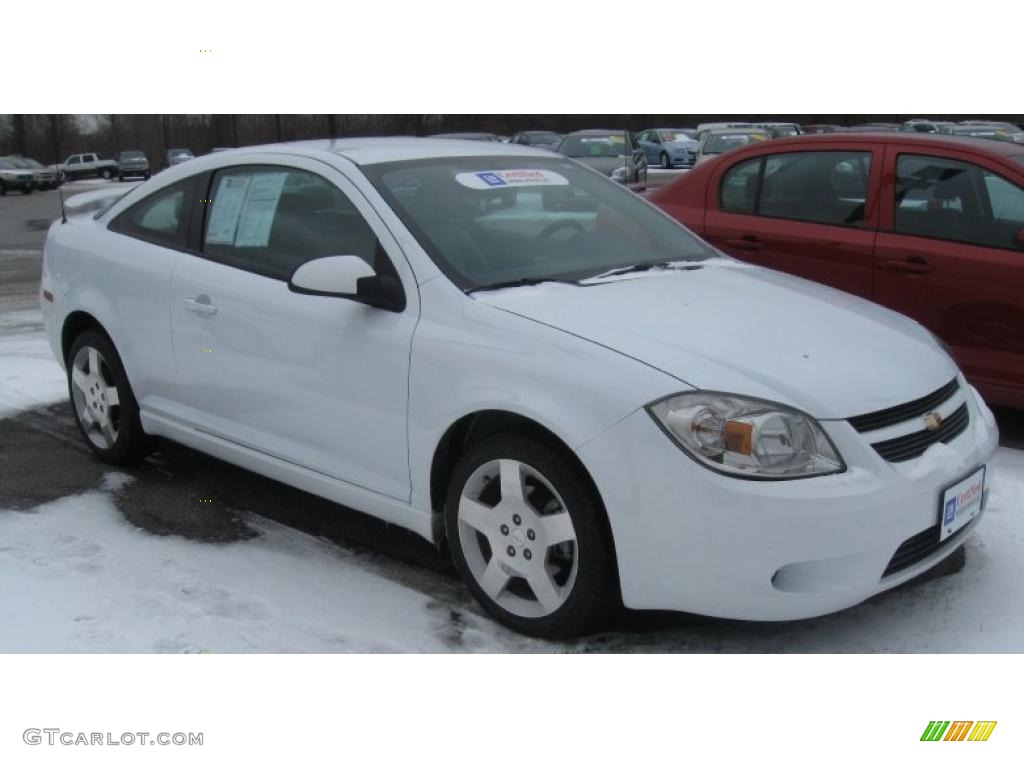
(554, 226)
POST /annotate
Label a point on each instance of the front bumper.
(135, 170)
(20, 181)
(689, 539)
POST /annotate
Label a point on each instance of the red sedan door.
(808, 210)
(951, 255)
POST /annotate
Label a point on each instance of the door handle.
(912, 265)
(745, 243)
(201, 305)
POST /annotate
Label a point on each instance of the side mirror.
(348, 277)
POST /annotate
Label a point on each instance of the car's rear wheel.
(106, 173)
(102, 400)
(529, 537)
(666, 161)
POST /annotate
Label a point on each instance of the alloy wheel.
(95, 396)
(517, 538)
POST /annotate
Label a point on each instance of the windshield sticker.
(524, 177)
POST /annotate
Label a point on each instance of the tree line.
(51, 138)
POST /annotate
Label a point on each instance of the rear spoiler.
(96, 200)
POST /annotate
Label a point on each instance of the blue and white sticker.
(517, 177)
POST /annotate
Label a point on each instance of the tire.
(666, 161)
(145, 176)
(575, 572)
(26, 190)
(120, 177)
(106, 173)
(3, 189)
(112, 430)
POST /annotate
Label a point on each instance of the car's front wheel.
(529, 537)
(102, 400)
(666, 161)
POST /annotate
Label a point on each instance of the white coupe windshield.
(488, 221)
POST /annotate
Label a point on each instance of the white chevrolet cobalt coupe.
(513, 356)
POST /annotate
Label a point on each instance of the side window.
(1005, 199)
(162, 217)
(739, 187)
(821, 187)
(953, 200)
(272, 219)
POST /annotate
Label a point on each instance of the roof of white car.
(364, 151)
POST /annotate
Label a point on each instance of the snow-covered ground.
(29, 375)
(76, 576)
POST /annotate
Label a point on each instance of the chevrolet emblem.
(932, 421)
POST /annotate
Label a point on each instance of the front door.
(318, 381)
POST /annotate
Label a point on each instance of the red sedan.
(930, 226)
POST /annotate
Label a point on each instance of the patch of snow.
(76, 577)
(30, 377)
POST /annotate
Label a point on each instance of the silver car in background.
(613, 153)
(722, 140)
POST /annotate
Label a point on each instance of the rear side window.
(953, 200)
(818, 187)
(739, 186)
(161, 218)
(272, 219)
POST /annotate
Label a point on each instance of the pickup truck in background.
(88, 164)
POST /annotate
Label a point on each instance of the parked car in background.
(929, 225)
(14, 177)
(1014, 130)
(925, 126)
(722, 140)
(668, 147)
(87, 164)
(996, 132)
(812, 128)
(613, 153)
(470, 136)
(132, 163)
(704, 129)
(780, 130)
(45, 176)
(540, 139)
(177, 156)
(873, 128)
(568, 393)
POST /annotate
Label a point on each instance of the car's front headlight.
(747, 437)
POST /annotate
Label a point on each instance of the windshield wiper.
(519, 282)
(642, 267)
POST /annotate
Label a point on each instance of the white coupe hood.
(733, 327)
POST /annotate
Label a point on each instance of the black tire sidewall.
(595, 592)
(131, 440)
